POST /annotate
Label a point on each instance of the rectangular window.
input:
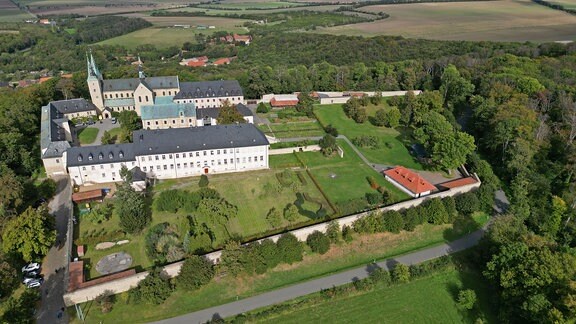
(225, 161)
(171, 166)
(211, 152)
(224, 151)
(113, 174)
(142, 159)
(57, 160)
(165, 167)
(157, 157)
(219, 162)
(197, 153)
(205, 153)
(144, 168)
(244, 159)
(157, 167)
(93, 167)
(255, 158)
(237, 150)
(101, 166)
(163, 157)
(148, 123)
(261, 158)
(177, 155)
(218, 152)
(185, 165)
(237, 160)
(112, 166)
(205, 162)
(103, 175)
(212, 162)
(170, 156)
(190, 154)
(149, 158)
(249, 159)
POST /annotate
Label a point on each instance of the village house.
(408, 181)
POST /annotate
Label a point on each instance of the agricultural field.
(392, 150)
(425, 300)
(567, 4)
(345, 179)
(223, 11)
(294, 129)
(505, 20)
(163, 34)
(250, 5)
(9, 12)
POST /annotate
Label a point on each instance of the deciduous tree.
(195, 272)
(31, 234)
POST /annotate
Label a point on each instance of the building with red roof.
(408, 181)
(195, 63)
(458, 183)
(242, 39)
(280, 101)
(222, 61)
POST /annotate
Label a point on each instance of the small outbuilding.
(409, 181)
(88, 196)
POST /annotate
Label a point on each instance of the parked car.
(31, 267)
(35, 283)
(32, 274)
(90, 122)
(114, 120)
(27, 280)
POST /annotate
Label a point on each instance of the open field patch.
(392, 149)
(431, 299)
(297, 129)
(505, 20)
(87, 135)
(328, 7)
(250, 5)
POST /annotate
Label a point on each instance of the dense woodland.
(518, 101)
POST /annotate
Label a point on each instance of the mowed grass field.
(297, 129)
(88, 135)
(395, 153)
(425, 300)
(343, 179)
(506, 20)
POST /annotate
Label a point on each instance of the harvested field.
(567, 4)
(9, 12)
(221, 23)
(253, 12)
(520, 20)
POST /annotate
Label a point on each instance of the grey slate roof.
(89, 155)
(52, 136)
(137, 174)
(173, 140)
(73, 105)
(209, 89)
(244, 110)
(167, 82)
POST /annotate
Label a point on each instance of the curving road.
(312, 286)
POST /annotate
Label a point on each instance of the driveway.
(309, 287)
(54, 266)
(106, 125)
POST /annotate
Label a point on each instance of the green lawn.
(343, 179)
(298, 129)
(283, 161)
(114, 132)
(425, 300)
(393, 150)
(87, 135)
(362, 250)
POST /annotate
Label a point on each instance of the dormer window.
(90, 157)
(121, 154)
(80, 158)
(110, 156)
(100, 156)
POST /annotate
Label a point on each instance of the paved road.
(57, 259)
(106, 125)
(302, 289)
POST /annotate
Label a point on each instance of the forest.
(518, 101)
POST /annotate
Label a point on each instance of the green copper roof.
(121, 102)
(171, 110)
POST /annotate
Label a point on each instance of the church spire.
(141, 74)
(92, 68)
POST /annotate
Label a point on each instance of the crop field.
(507, 20)
(567, 4)
(9, 12)
(209, 12)
(95, 7)
(298, 129)
(250, 5)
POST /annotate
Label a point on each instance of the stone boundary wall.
(288, 150)
(172, 270)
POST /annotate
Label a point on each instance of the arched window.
(110, 156)
(90, 157)
(80, 157)
(139, 98)
(121, 154)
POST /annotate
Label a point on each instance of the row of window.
(190, 154)
(207, 100)
(131, 94)
(200, 165)
(182, 121)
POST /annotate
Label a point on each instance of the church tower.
(95, 83)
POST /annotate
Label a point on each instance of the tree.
(203, 182)
(129, 120)
(318, 242)
(333, 231)
(467, 299)
(11, 188)
(467, 203)
(105, 300)
(328, 145)
(262, 108)
(131, 208)
(155, 289)
(229, 114)
(274, 217)
(21, 310)
(31, 234)
(106, 138)
(450, 206)
(452, 151)
(393, 221)
(291, 213)
(411, 219)
(401, 273)
(347, 233)
(373, 198)
(329, 129)
(454, 88)
(195, 272)
(361, 116)
(436, 211)
(390, 118)
(290, 248)
(8, 278)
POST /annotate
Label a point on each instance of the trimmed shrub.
(333, 231)
(347, 234)
(467, 203)
(373, 198)
(393, 221)
(290, 248)
(203, 182)
(195, 272)
(400, 273)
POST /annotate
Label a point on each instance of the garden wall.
(288, 150)
(125, 284)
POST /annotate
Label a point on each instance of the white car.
(31, 267)
(35, 283)
(28, 280)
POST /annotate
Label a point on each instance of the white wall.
(213, 102)
(309, 148)
(164, 123)
(98, 173)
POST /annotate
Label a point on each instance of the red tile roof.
(242, 38)
(409, 180)
(76, 274)
(222, 61)
(87, 195)
(195, 63)
(458, 182)
(283, 103)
